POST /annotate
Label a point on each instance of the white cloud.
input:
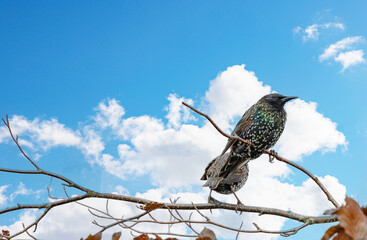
(351, 58)
(177, 113)
(40, 134)
(333, 49)
(22, 191)
(312, 32)
(92, 144)
(27, 217)
(109, 115)
(3, 197)
(232, 92)
(307, 131)
(121, 190)
(337, 52)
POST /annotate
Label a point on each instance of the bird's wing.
(240, 174)
(205, 175)
(245, 121)
(214, 166)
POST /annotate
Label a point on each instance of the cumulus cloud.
(338, 52)
(333, 49)
(177, 113)
(310, 128)
(23, 191)
(3, 197)
(40, 134)
(173, 152)
(312, 32)
(109, 115)
(351, 58)
(235, 85)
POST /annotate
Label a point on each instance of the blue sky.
(105, 71)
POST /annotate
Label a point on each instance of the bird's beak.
(286, 99)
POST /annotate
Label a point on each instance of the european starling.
(261, 125)
(232, 183)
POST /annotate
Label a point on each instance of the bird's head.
(276, 99)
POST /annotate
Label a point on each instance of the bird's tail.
(213, 183)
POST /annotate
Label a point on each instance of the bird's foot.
(238, 205)
(238, 202)
(273, 154)
(213, 200)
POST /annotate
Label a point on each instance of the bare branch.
(308, 173)
(28, 232)
(7, 124)
(215, 125)
(35, 224)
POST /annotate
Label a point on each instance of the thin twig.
(238, 233)
(215, 125)
(7, 124)
(308, 173)
(28, 232)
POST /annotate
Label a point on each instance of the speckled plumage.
(262, 124)
(233, 182)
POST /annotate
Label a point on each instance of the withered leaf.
(157, 237)
(207, 234)
(352, 223)
(336, 230)
(97, 236)
(151, 206)
(353, 220)
(142, 237)
(116, 236)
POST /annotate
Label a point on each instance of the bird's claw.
(213, 200)
(238, 204)
(273, 154)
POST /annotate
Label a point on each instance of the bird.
(232, 183)
(261, 125)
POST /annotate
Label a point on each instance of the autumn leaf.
(151, 206)
(207, 234)
(116, 236)
(97, 236)
(352, 222)
(157, 237)
(142, 237)
(336, 230)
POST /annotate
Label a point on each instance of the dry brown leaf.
(97, 236)
(142, 237)
(336, 230)
(151, 206)
(352, 222)
(171, 239)
(157, 237)
(116, 236)
(207, 234)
